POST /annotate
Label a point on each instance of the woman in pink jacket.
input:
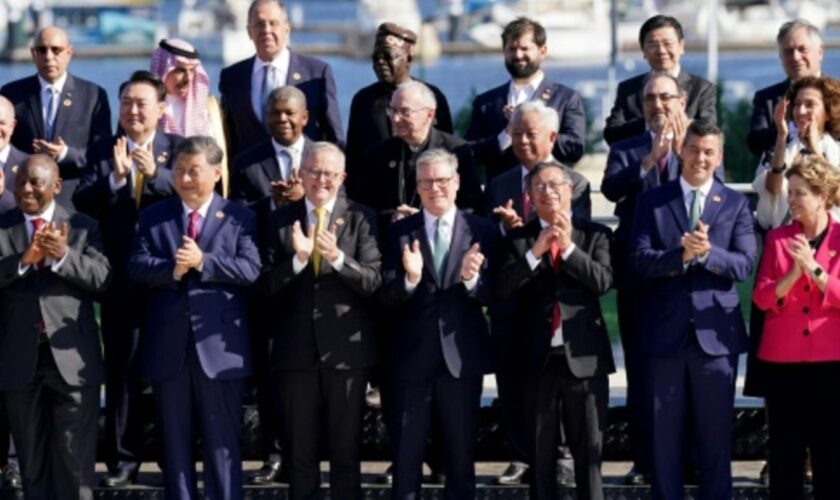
(798, 287)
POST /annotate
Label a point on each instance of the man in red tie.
(554, 269)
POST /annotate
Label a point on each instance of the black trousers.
(312, 400)
(259, 384)
(580, 407)
(54, 428)
(803, 406)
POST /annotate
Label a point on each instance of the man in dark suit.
(245, 86)
(385, 179)
(369, 122)
(555, 268)
(51, 264)
(662, 43)
(524, 44)
(801, 53)
(533, 130)
(321, 366)
(126, 175)
(196, 254)
(435, 283)
(693, 240)
(58, 114)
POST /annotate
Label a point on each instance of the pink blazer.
(803, 326)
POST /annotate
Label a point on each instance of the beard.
(526, 71)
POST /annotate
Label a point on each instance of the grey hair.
(426, 96)
(284, 94)
(791, 26)
(201, 144)
(323, 147)
(548, 116)
(256, 3)
(437, 155)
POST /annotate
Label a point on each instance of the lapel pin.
(67, 103)
(295, 76)
(546, 94)
(161, 158)
(14, 169)
(339, 222)
(832, 253)
(392, 164)
(220, 215)
(716, 199)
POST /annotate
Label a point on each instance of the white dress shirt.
(47, 216)
(281, 68)
(112, 179)
(58, 88)
(312, 221)
(516, 96)
(295, 150)
(447, 222)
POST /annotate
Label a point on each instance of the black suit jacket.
(488, 120)
(253, 172)
(312, 76)
(627, 120)
(762, 134)
(440, 326)
(13, 163)
(83, 118)
(325, 320)
(62, 299)
(369, 124)
(583, 278)
(387, 177)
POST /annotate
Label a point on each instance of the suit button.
(805, 332)
(805, 310)
(807, 288)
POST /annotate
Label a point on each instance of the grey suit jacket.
(62, 299)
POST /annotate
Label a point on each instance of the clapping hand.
(412, 261)
(303, 244)
(472, 262)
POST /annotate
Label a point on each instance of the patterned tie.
(555, 264)
(440, 251)
(192, 227)
(268, 84)
(694, 213)
(49, 112)
(321, 218)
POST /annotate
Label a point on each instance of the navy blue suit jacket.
(312, 76)
(626, 119)
(700, 300)
(206, 308)
(254, 170)
(83, 118)
(488, 120)
(762, 134)
(10, 168)
(440, 326)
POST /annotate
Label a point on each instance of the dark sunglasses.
(42, 49)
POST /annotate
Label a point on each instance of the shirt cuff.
(297, 265)
(567, 252)
(56, 265)
(23, 269)
(702, 260)
(410, 287)
(339, 262)
(62, 155)
(471, 283)
(504, 140)
(116, 185)
(533, 262)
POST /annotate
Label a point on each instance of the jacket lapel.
(64, 107)
(458, 246)
(270, 166)
(419, 234)
(715, 200)
(17, 233)
(337, 219)
(214, 220)
(36, 108)
(677, 206)
(827, 253)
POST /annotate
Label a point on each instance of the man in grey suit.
(51, 264)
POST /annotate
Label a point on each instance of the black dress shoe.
(635, 478)
(514, 474)
(437, 477)
(764, 475)
(387, 477)
(269, 473)
(124, 474)
(11, 476)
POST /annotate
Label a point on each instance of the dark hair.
(703, 128)
(830, 90)
(149, 78)
(201, 144)
(521, 25)
(656, 22)
(545, 165)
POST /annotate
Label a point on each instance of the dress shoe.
(565, 475)
(124, 474)
(514, 474)
(635, 478)
(387, 477)
(269, 473)
(11, 475)
(437, 477)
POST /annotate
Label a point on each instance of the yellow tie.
(321, 214)
(138, 186)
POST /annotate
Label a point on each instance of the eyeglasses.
(317, 174)
(553, 186)
(427, 184)
(664, 97)
(43, 49)
(402, 112)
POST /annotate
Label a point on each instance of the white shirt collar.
(529, 87)
(328, 206)
(47, 214)
(133, 145)
(58, 85)
(704, 189)
(295, 148)
(202, 210)
(4, 153)
(448, 218)
(281, 62)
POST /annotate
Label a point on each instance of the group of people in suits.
(381, 262)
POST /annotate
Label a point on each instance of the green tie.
(321, 214)
(440, 250)
(694, 213)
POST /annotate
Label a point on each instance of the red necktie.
(192, 228)
(526, 205)
(555, 264)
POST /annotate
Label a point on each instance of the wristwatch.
(779, 170)
(816, 272)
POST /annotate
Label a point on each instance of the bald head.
(37, 183)
(51, 53)
(7, 122)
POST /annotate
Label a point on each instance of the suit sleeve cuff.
(56, 265)
(568, 251)
(410, 287)
(114, 184)
(62, 155)
(504, 140)
(471, 283)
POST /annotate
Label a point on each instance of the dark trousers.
(635, 364)
(54, 428)
(217, 406)
(579, 407)
(511, 382)
(691, 386)
(804, 413)
(260, 383)
(454, 404)
(333, 400)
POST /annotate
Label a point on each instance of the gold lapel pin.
(339, 222)
(161, 158)
(716, 199)
(295, 76)
(14, 169)
(220, 215)
(67, 103)
(546, 94)
(392, 164)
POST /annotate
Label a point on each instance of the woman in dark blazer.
(798, 288)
